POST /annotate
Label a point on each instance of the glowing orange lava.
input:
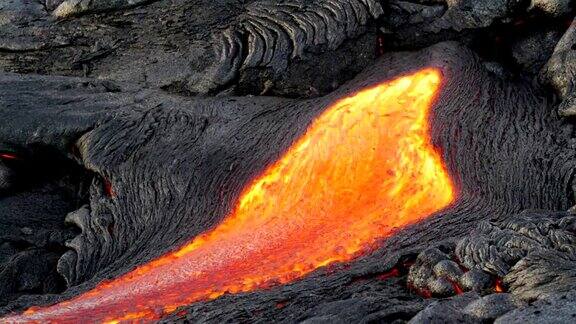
(363, 168)
(498, 286)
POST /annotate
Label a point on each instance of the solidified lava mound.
(295, 161)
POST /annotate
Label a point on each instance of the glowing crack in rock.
(364, 167)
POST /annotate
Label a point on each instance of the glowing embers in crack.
(364, 168)
(498, 285)
(8, 156)
(438, 273)
(108, 189)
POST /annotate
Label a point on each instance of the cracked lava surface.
(364, 167)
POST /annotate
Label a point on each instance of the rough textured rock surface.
(560, 71)
(70, 8)
(112, 157)
(533, 253)
(554, 309)
(196, 47)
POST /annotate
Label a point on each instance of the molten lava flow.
(363, 168)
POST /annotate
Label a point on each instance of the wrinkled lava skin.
(164, 155)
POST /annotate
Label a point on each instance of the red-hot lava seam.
(400, 269)
(457, 289)
(364, 168)
(8, 156)
(108, 189)
(498, 286)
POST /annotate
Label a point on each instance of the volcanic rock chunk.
(6, 177)
(534, 50)
(433, 273)
(50, 5)
(76, 7)
(436, 273)
(463, 14)
(73, 265)
(557, 308)
(475, 280)
(447, 311)
(441, 287)
(553, 8)
(560, 71)
(468, 308)
(29, 272)
(447, 268)
(20, 11)
(427, 21)
(492, 306)
(410, 13)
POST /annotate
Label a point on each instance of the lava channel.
(364, 167)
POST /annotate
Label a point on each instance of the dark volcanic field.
(127, 129)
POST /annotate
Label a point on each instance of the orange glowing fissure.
(364, 167)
